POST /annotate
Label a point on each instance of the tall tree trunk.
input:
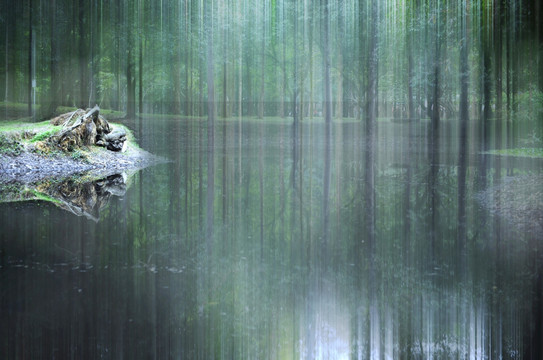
(175, 29)
(497, 33)
(51, 106)
(310, 39)
(118, 52)
(410, 71)
(140, 80)
(539, 36)
(6, 62)
(224, 72)
(340, 49)
(83, 100)
(7, 52)
(263, 64)
(140, 56)
(30, 55)
(130, 65)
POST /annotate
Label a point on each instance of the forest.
(351, 179)
(299, 59)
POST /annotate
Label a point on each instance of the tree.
(130, 64)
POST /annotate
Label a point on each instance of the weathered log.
(92, 114)
(85, 131)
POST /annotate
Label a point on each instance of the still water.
(263, 253)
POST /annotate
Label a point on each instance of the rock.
(115, 140)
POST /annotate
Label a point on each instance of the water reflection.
(75, 194)
(293, 271)
(87, 199)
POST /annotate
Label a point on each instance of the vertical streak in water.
(462, 154)
(327, 130)
(371, 129)
(211, 122)
(261, 187)
(241, 19)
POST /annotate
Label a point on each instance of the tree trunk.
(130, 66)
(30, 52)
(263, 64)
(340, 49)
(140, 57)
(83, 100)
(51, 107)
(498, 71)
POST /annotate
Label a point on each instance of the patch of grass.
(79, 155)
(520, 152)
(19, 126)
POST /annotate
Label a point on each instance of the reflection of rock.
(86, 199)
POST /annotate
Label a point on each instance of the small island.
(81, 141)
(76, 161)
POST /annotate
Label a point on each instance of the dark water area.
(277, 269)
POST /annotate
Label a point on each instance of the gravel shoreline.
(29, 167)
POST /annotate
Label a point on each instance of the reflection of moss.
(41, 196)
(521, 152)
(8, 192)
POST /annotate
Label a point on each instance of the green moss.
(45, 134)
(520, 152)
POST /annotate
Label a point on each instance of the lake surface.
(264, 253)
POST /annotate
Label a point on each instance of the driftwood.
(89, 129)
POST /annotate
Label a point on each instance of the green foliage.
(530, 109)
(78, 155)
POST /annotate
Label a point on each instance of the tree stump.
(89, 129)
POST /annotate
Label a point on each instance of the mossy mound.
(73, 143)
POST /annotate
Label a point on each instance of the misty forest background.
(299, 59)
